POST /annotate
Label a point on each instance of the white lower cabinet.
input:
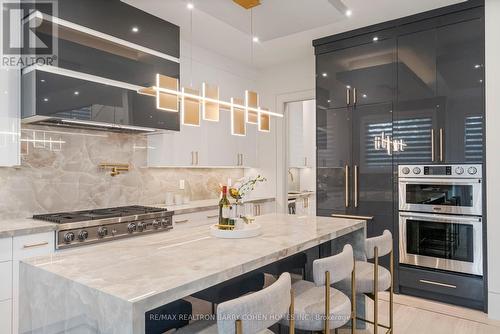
(260, 208)
(6, 316)
(199, 218)
(6, 280)
(24, 247)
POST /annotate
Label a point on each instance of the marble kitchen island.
(107, 288)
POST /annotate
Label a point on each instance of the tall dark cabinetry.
(355, 89)
(420, 80)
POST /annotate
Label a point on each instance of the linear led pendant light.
(195, 106)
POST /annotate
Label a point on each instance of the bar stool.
(371, 278)
(250, 314)
(315, 300)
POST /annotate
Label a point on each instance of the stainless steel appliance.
(93, 226)
(450, 189)
(440, 217)
(446, 242)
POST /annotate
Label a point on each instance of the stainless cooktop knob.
(417, 170)
(472, 170)
(102, 231)
(406, 170)
(69, 237)
(165, 222)
(132, 227)
(459, 170)
(141, 227)
(83, 235)
(156, 224)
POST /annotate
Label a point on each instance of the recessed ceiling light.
(255, 39)
(45, 99)
(375, 38)
(135, 29)
(324, 75)
(365, 96)
(348, 86)
(190, 6)
(76, 92)
(348, 13)
(329, 101)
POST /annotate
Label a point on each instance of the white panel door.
(247, 147)
(296, 157)
(25, 247)
(220, 146)
(6, 317)
(10, 113)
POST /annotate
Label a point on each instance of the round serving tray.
(250, 231)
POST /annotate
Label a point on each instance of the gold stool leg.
(391, 295)
(327, 302)
(239, 327)
(353, 298)
(375, 293)
(291, 329)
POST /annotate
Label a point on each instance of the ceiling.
(285, 28)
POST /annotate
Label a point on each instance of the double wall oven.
(440, 217)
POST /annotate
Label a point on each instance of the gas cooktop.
(93, 226)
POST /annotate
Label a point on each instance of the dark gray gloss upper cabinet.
(460, 87)
(439, 107)
(334, 157)
(357, 74)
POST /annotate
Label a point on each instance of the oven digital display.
(437, 170)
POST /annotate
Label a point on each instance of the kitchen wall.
(59, 172)
(492, 12)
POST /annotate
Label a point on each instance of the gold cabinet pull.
(433, 155)
(242, 159)
(356, 186)
(346, 186)
(214, 216)
(354, 96)
(438, 284)
(441, 144)
(182, 221)
(40, 244)
(348, 96)
(192, 158)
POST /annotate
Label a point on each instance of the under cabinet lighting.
(252, 101)
(210, 110)
(190, 108)
(238, 118)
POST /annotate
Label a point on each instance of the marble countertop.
(16, 227)
(24, 226)
(153, 270)
(207, 204)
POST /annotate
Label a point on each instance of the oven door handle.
(440, 218)
(440, 181)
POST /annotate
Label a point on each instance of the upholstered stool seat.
(364, 278)
(208, 327)
(252, 313)
(310, 307)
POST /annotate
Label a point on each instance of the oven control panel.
(446, 171)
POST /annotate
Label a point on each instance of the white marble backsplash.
(60, 172)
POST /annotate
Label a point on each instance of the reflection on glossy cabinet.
(301, 139)
(9, 117)
(440, 111)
